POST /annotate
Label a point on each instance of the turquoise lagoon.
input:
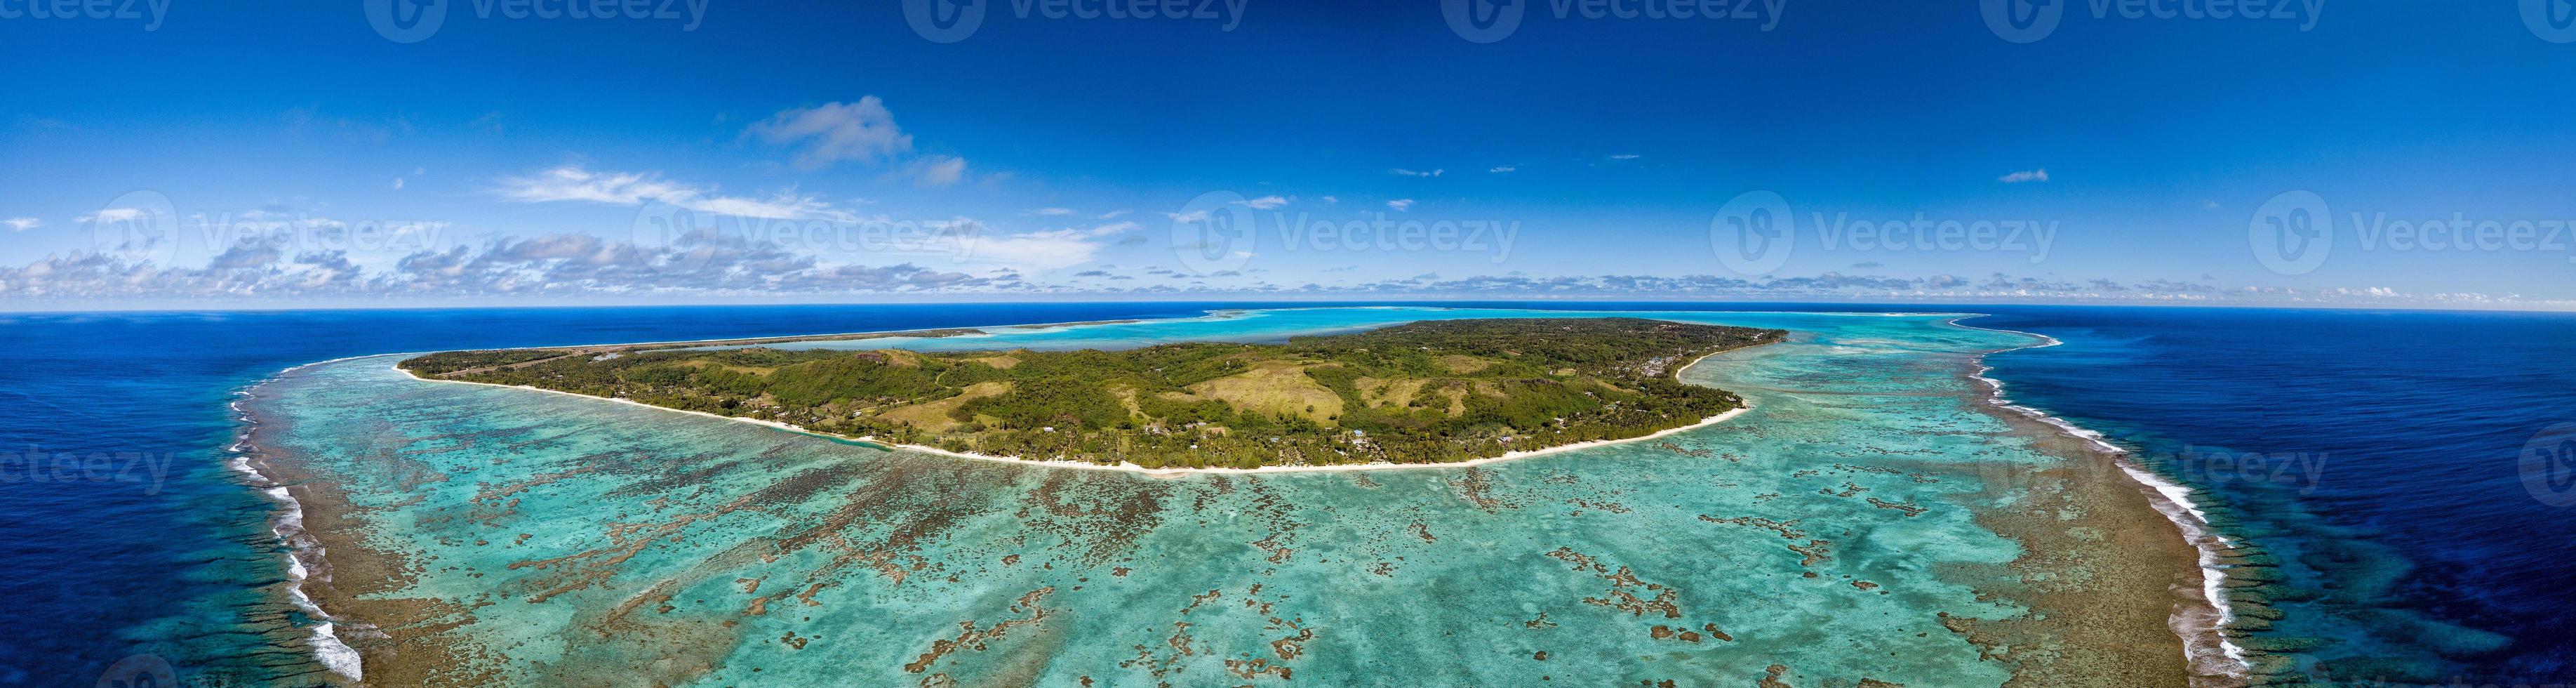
(1856, 524)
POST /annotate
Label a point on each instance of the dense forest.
(1425, 392)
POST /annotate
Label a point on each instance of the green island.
(1424, 392)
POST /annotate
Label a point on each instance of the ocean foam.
(288, 527)
(335, 655)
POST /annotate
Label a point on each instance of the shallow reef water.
(1830, 535)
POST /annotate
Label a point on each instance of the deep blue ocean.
(2383, 452)
(2385, 448)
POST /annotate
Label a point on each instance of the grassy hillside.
(1424, 392)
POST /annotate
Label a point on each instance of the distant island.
(1419, 393)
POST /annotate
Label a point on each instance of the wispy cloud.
(1266, 202)
(1052, 211)
(1401, 172)
(1400, 204)
(21, 224)
(941, 170)
(835, 132)
(574, 183)
(1625, 156)
(864, 132)
(709, 263)
(2038, 175)
(571, 264)
(1041, 250)
(114, 215)
(1503, 168)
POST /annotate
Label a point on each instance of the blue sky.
(834, 152)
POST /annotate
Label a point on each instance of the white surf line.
(2169, 498)
(288, 527)
(1131, 467)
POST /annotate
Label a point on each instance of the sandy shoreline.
(1380, 466)
(1154, 472)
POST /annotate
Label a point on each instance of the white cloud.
(1047, 250)
(942, 170)
(835, 132)
(115, 215)
(246, 255)
(1115, 213)
(21, 224)
(1266, 202)
(712, 263)
(573, 183)
(967, 241)
(1625, 156)
(1412, 173)
(1503, 168)
(1401, 204)
(784, 206)
(398, 183)
(865, 131)
(1052, 211)
(1332, 199)
(2039, 175)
